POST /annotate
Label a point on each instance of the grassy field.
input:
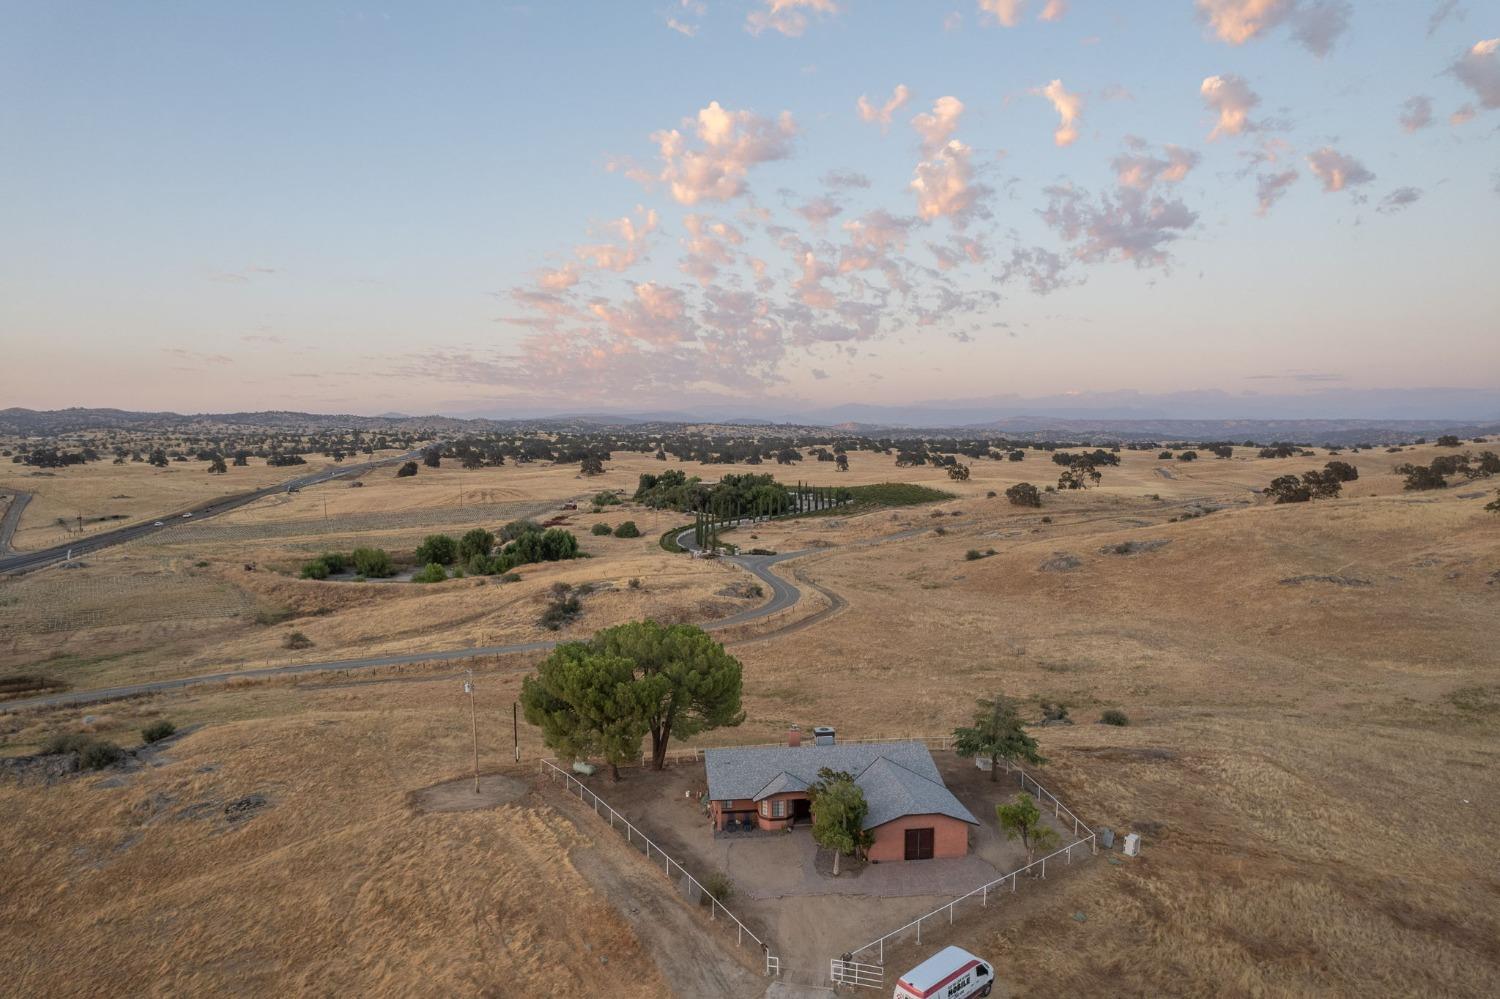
(1313, 691)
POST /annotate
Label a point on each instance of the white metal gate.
(870, 976)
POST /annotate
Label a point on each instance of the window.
(778, 808)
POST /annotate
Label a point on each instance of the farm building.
(912, 814)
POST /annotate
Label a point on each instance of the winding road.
(783, 596)
(28, 561)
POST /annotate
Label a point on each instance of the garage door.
(919, 844)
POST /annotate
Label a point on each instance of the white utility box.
(1133, 845)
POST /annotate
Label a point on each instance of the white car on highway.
(158, 524)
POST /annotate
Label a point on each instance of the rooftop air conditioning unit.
(823, 735)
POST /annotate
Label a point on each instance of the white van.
(951, 973)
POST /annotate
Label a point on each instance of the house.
(912, 814)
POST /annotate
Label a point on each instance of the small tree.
(406, 470)
(1494, 505)
(439, 548)
(1024, 494)
(475, 542)
(1023, 820)
(1342, 470)
(958, 473)
(688, 683)
(627, 530)
(1288, 489)
(997, 733)
(373, 563)
(587, 702)
(432, 573)
(839, 809)
(217, 466)
(591, 465)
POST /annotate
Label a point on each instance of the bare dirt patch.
(460, 795)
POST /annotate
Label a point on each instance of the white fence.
(1085, 844)
(869, 976)
(633, 835)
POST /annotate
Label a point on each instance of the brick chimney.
(794, 736)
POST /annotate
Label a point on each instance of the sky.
(765, 205)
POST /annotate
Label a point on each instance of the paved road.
(12, 519)
(28, 561)
(783, 595)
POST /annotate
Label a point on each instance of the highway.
(12, 518)
(20, 562)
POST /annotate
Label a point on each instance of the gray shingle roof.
(898, 778)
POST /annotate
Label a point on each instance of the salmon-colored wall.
(766, 822)
(950, 837)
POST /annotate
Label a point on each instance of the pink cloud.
(1479, 70)
(788, 17)
(1231, 98)
(1336, 170)
(1316, 24)
(632, 232)
(936, 126)
(1068, 107)
(1270, 187)
(730, 142)
(881, 115)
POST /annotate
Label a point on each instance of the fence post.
(1044, 868)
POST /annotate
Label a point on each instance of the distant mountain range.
(959, 420)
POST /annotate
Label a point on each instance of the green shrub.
(437, 548)
(475, 542)
(93, 754)
(157, 731)
(316, 569)
(373, 563)
(66, 743)
(635, 582)
(1114, 716)
(599, 530)
(563, 608)
(432, 573)
(973, 555)
(516, 528)
(606, 498)
(509, 577)
(100, 754)
(719, 887)
(1023, 494)
(628, 530)
(296, 640)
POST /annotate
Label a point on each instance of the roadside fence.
(636, 838)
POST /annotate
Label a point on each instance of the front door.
(919, 844)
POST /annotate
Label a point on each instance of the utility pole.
(473, 723)
(515, 728)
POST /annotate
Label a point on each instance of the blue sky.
(416, 207)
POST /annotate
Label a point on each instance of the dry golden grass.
(133, 491)
(140, 884)
(1313, 764)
